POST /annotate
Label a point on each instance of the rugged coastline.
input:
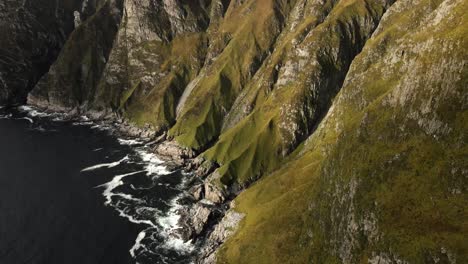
(338, 127)
(207, 213)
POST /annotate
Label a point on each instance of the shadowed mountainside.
(33, 32)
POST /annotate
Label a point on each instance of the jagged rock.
(204, 168)
(194, 219)
(197, 192)
(214, 193)
(161, 138)
(200, 218)
(222, 231)
(171, 150)
(101, 115)
(130, 130)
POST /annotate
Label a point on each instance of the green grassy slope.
(242, 41)
(351, 114)
(313, 71)
(383, 179)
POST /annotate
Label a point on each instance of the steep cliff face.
(160, 47)
(347, 116)
(294, 88)
(72, 79)
(33, 33)
(384, 177)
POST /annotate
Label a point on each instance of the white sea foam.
(129, 142)
(180, 244)
(25, 108)
(170, 224)
(101, 127)
(59, 118)
(114, 183)
(108, 194)
(132, 219)
(138, 243)
(98, 149)
(148, 157)
(83, 123)
(152, 169)
(128, 197)
(138, 211)
(105, 165)
(32, 112)
(146, 209)
(153, 165)
(27, 119)
(6, 116)
(40, 129)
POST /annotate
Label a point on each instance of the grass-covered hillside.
(384, 177)
(339, 127)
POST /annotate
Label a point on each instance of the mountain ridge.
(343, 122)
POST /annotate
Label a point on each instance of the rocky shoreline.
(207, 215)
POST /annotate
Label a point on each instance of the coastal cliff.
(33, 33)
(321, 131)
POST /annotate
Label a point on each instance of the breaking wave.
(146, 191)
(133, 195)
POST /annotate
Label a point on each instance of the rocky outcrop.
(171, 151)
(221, 232)
(194, 219)
(72, 79)
(33, 33)
(209, 224)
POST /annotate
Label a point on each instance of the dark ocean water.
(73, 193)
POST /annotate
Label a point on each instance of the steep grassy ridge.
(383, 179)
(308, 77)
(244, 37)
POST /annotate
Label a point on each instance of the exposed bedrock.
(32, 35)
(336, 127)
